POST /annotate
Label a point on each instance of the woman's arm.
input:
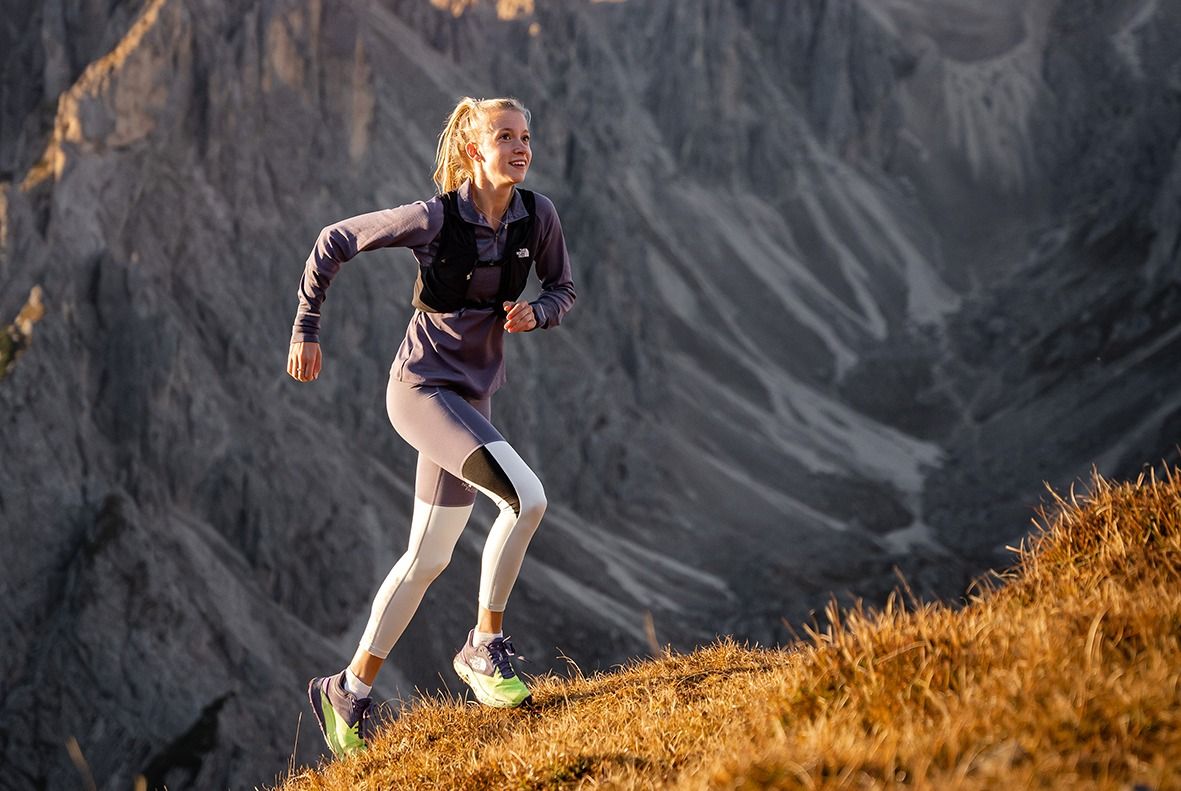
(552, 264)
(412, 225)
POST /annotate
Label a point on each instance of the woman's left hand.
(520, 317)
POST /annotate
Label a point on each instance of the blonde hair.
(452, 164)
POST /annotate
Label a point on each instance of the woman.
(475, 243)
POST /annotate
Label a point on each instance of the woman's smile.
(505, 150)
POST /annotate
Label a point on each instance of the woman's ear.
(473, 151)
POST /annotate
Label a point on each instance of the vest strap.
(441, 286)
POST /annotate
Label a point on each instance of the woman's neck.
(492, 201)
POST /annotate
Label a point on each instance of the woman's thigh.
(435, 486)
(441, 425)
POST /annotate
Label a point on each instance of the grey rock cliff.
(855, 278)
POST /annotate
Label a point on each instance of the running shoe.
(345, 720)
(488, 670)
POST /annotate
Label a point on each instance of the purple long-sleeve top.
(463, 349)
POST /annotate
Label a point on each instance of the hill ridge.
(1061, 672)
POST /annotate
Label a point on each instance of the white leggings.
(460, 452)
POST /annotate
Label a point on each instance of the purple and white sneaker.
(488, 670)
(345, 720)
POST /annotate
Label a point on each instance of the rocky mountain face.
(855, 279)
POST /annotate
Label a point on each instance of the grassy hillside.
(1064, 674)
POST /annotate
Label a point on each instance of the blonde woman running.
(476, 242)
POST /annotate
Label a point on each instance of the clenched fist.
(520, 317)
(303, 360)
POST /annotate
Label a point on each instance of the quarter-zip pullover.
(464, 349)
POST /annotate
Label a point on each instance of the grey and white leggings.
(459, 452)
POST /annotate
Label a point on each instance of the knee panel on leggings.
(498, 470)
(482, 469)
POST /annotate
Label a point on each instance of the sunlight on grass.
(1063, 673)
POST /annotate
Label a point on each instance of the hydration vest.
(442, 285)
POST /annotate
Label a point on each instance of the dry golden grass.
(1065, 674)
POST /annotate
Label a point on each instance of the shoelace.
(362, 716)
(500, 650)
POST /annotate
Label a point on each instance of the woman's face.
(502, 155)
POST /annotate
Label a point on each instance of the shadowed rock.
(854, 280)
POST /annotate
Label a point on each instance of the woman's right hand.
(303, 361)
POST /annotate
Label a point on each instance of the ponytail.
(452, 164)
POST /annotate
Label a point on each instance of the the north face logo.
(479, 664)
(523, 252)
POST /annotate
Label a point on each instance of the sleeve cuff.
(539, 315)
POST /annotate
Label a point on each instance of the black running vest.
(442, 285)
